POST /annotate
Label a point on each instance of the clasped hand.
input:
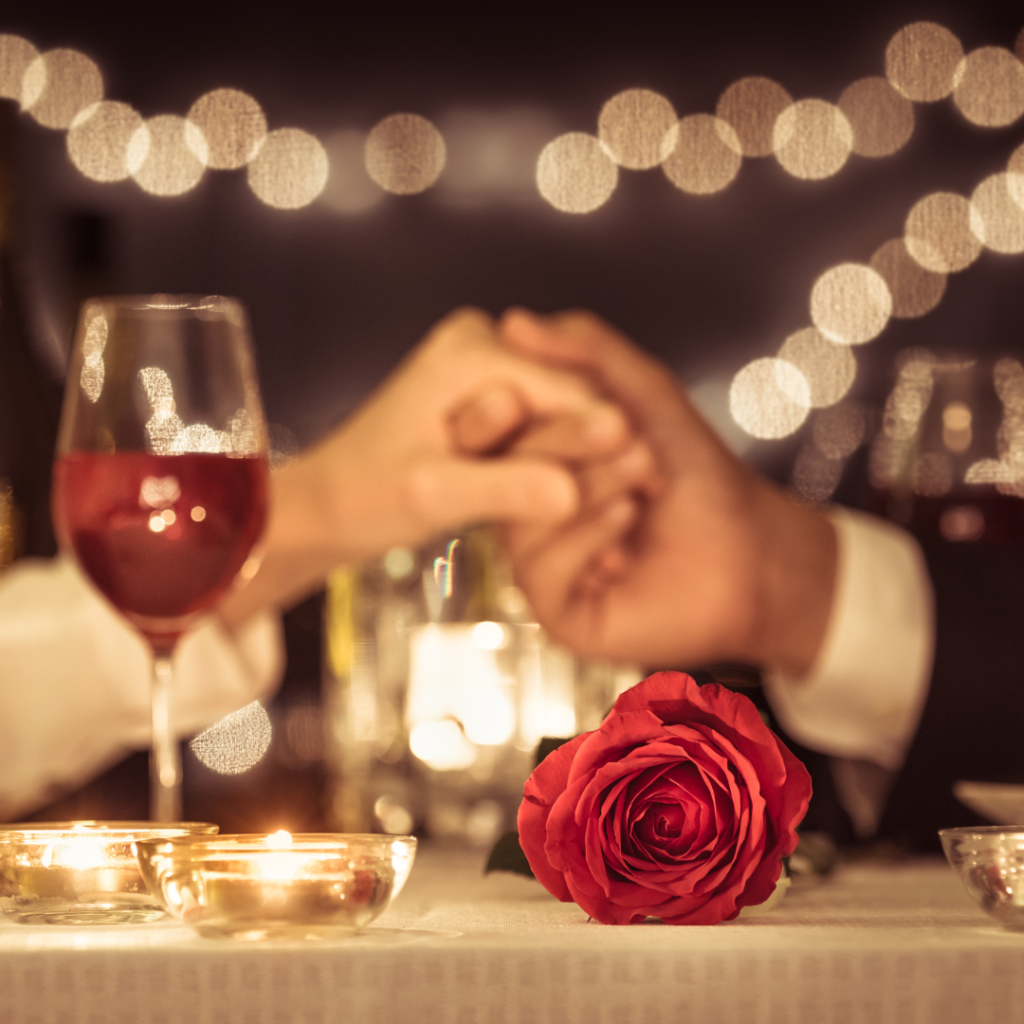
(635, 533)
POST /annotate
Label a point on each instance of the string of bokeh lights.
(852, 303)
(576, 172)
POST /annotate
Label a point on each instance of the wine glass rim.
(163, 302)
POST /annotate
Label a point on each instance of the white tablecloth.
(873, 944)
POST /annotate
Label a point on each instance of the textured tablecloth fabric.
(873, 944)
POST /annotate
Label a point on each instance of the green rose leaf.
(508, 855)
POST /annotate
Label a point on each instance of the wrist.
(796, 582)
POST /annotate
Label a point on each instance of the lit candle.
(79, 872)
(285, 886)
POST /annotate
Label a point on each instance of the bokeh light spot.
(990, 90)
(16, 54)
(938, 233)
(99, 137)
(915, 290)
(882, 119)
(165, 155)
(812, 139)
(921, 61)
(1008, 379)
(895, 446)
(93, 371)
(1015, 172)
(575, 174)
(957, 419)
(996, 218)
(405, 154)
(395, 818)
(399, 563)
(237, 742)
(962, 523)
(707, 155)
(283, 445)
(637, 128)
(489, 636)
(233, 124)
(838, 432)
(752, 106)
(851, 303)
(909, 399)
(58, 84)
(829, 368)
(769, 398)
(290, 170)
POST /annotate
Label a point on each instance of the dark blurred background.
(707, 282)
(336, 298)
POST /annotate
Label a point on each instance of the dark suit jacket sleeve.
(972, 726)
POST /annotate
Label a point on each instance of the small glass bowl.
(990, 862)
(152, 855)
(80, 872)
(311, 886)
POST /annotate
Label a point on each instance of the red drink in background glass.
(162, 536)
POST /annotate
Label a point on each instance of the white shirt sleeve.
(74, 680)
(864, 695)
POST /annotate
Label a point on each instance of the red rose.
(680, 806)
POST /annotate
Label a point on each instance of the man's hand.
(435, 448)
(715, 564)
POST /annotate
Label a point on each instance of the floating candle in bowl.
(80, 872)
(283, 886)
(154, 860)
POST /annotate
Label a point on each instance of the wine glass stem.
(165, 761)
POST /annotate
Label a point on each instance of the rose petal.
(542, 788)
(564, 845)
(595, 856)
(602, 909)
(616, 737)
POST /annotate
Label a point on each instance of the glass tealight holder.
(990, 862)
(153, 860)
(311, 886)
(81, 872)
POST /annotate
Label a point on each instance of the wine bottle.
(29, 391)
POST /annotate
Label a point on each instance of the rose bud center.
(667, 820)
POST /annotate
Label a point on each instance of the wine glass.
(160, 482)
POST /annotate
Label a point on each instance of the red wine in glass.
(162, 536)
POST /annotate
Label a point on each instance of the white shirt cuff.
(864, 695)
(75, 680)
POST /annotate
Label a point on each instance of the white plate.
(1000, 802)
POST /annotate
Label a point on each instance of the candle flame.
(280, 867)
(80, 852)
